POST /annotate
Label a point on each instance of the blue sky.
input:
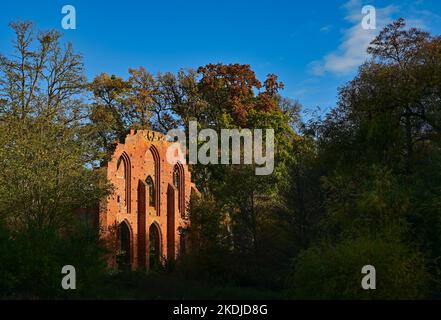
(313, 46)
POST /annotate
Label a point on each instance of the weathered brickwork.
(148, 203)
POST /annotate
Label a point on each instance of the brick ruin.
(148, 204)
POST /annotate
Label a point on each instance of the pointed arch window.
(151, 191)
(176, 177)
(179, 184)
(157, 178)
(124, 171)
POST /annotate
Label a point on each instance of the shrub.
(329, 271)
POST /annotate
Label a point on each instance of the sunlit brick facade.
(148, 203)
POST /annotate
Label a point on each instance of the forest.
(360, 185)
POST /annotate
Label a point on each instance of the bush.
(329, 271)
(32, 261)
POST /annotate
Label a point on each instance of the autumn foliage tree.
(360, 186)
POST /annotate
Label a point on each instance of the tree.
(379, 154)
(110, 115)
(46, 164)
(249, 206)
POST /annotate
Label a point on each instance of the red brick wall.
(144, 154)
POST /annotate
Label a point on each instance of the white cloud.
(352, 51)
(326, 29)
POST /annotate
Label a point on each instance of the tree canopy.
(360, 186)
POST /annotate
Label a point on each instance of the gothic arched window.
(123, 172)
(179, 184)
(152, 195)
(176, 177)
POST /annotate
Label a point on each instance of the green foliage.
(333, 271)
(379, 154)
(32, 261)
(357, 206)
(209, 239)
(361, 186)
(44, 177)
(46, 172)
